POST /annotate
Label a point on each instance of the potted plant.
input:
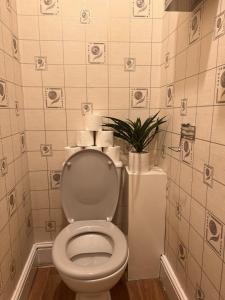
(139, 136)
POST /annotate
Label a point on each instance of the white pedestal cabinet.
(146, 222)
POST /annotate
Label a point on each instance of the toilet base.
(97, 296)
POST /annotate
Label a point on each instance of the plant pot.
(138, 162)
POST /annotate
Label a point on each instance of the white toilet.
(91, 253)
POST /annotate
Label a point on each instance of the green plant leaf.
(138, 135)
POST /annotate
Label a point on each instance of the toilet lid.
(89, 186)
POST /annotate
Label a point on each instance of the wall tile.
(119, 30)
(194, 271)
(54, 32)
(206, 88)
(197, 218)
(28, 27)
(212, 265)
(97, 76)
(208, 53)
(218, 125)
(215, 200)
(203, 122)
(209, 290)
(196, 245)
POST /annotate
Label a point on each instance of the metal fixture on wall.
(181, 5)
(188, 132)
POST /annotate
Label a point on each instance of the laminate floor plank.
(134, 290)
(48, 285)
(40, 281)
(56, 289)
(120, 291)
(151, 289)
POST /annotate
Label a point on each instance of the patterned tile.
(11, 202)
(86, 108)
(182, 254)
(141, 8)
(167, 60)
(220, 85)
(50, 226)
(139, 97)
(40, 63)
(17, 108)
(3, 166)
(187, 151)
(55, 179)
(199, 294)
(219, 25)
(178, 210)
(195, 27)
(215, 234)
(183, 107)
(208, 174)
(129, 64)
(54, 97)
(46, 149)
(3, 94)
(49, 7)
(22, 142)
(15, 47)
(85, 16)
(96, 53)
(170, 95)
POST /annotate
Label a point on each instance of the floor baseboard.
(170, 282)
(40, 254)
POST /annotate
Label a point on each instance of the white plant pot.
(139, 162)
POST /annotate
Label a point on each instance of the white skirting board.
(170, 282)
(40, 255)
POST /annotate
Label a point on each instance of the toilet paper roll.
(92, 122)
(70, 151)
(113, 153)
(84, 138)
(94, 148)
(104, 139)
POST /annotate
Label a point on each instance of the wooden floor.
(48, 286)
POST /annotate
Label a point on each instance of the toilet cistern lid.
(89, 187)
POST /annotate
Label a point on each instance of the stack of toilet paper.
(93, 137)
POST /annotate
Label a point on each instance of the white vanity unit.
(146, 222)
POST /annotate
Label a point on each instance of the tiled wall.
(193, 65)
(101, 55)
(15, 207)
(105, 53)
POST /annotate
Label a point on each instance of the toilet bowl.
(91, 253)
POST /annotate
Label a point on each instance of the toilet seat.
(89, 186)
(114, 263)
